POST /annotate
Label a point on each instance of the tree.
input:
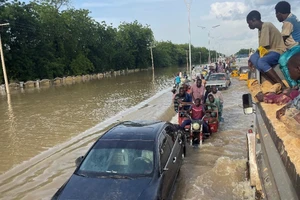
(243, 51)
(81, 65)
(46, 41)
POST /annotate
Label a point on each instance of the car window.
(170, 130)
(119, 157)
(214, 77)
(165, 150)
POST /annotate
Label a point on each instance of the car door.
(174, 161)
(165, 166)
(175, 143)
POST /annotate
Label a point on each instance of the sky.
(168, 19)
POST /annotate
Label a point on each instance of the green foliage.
(81, 65)
(243, 51)
(45, 41)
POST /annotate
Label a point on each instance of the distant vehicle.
(133, 160)
(244, 72)
(220, 80)
(234, 71)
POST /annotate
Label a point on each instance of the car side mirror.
(78, 161)
(247, 104)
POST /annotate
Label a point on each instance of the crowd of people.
(198, 101)
(277, 47)
(274, 48)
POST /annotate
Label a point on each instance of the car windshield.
(215, 77)
(119, 157)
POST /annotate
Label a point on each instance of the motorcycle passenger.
(198, 112)
(182, 98)
(186, 88)
(218, 96)
(216, 106)
(197, 90)
(207, 91)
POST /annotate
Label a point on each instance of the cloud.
(232, 10)
(228, 10)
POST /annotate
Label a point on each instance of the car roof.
(134, 130)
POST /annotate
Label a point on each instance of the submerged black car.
(132, 160)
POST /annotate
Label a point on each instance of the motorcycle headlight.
(196, 126)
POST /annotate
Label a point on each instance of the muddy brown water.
(43, 132)
(217, 170)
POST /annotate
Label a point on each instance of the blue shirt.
(296, 26)
(186, 98)
(177, 79)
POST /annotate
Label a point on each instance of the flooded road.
(218, 169)
(50, 128)
(39, 119)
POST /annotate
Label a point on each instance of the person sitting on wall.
(291, 37)
(271, 46)
(294, 70)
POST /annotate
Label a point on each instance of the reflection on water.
(37, 119)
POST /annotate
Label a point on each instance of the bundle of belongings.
(272, 93)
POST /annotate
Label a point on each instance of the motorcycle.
(194, 131)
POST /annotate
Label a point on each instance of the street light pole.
(187, 60)
(209, 61)
(188, 5)
(203, 27)
(200, 58)
(152, 58)
(3, 63)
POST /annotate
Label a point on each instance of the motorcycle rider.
(197, 112)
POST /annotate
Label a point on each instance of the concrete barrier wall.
(69, 80)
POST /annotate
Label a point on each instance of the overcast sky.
(169, 19)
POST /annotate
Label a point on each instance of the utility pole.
(203, 27)
(3, 63)
(152, 58)
(187, 60)
(200, 58)
(209, 61)
(188, 5)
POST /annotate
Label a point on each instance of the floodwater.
(43, 132)
(218, 169)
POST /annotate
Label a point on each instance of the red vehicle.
(194, 131)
